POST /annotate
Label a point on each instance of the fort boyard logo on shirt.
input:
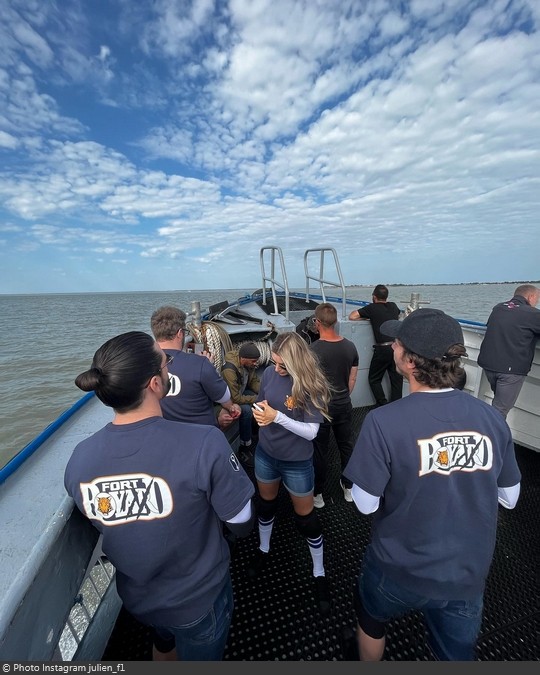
(127, 498)
(456, 451)
(290, 403)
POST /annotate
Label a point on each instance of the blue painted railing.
(29, 449)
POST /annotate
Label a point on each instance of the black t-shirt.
(378, 313)
(337, 359)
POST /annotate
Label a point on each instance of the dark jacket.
(512, 330)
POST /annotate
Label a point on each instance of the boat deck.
(276, 617)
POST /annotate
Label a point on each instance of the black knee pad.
(266, 509)
(367, 623)
(309, 526)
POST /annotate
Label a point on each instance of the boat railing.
(49, 608)
(323, 253)
(273, 252)
(414, 303)
(16, 461)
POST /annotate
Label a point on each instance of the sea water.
(47, 340)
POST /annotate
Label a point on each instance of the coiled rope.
(217, 342)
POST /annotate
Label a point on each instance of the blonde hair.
(310, 386)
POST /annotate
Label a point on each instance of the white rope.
(264, 347)
(217, 342)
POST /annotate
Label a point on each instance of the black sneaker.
(323, 595)
(246, 457)
(257, 564)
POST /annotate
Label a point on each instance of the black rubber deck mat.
(276, 616)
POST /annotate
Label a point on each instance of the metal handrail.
(272, 279)
(321, 280)
(28, 450)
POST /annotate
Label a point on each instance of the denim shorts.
(205, 638)
(298, 477)
(452, 625)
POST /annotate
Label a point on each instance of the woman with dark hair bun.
(159, 492)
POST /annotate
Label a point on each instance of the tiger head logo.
(289, 402)
(104, 505)
(442, 458)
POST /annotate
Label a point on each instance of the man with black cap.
(432, 467)
(238, 371)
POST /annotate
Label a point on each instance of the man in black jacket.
(507, 350)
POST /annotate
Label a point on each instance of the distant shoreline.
(463, 283)
(244, 290)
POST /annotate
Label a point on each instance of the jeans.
(453, 625)
(297, 476)
(245, 422)
(205, 638)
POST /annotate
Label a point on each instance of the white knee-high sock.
(265, 532)
(316, 548)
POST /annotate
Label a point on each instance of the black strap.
(231, 366)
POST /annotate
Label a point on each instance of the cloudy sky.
(159, 145)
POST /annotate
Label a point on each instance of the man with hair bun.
(160, 492)
(432, 468)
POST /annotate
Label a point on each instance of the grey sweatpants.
(505, 388)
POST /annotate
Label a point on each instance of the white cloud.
(200, 131)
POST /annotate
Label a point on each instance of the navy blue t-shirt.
(158, 492)
(274, 439)
(436, 460)
(195, 387)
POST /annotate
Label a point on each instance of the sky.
(160, 145)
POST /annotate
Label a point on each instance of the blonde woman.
(292, 402)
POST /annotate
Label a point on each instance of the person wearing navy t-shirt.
(196, 386)
(159, 492)
(432, 468)
(293, 399)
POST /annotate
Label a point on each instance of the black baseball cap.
(427, 332)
